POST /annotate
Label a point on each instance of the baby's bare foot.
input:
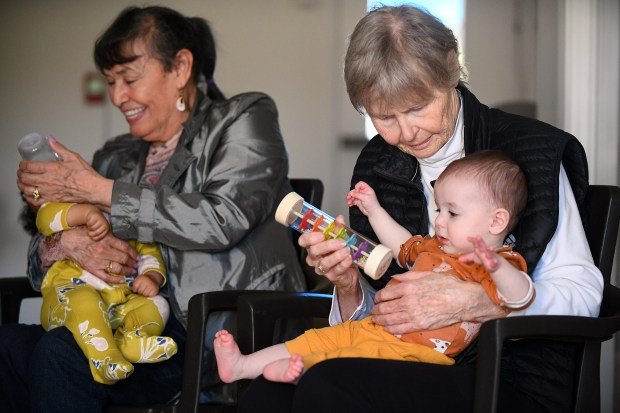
(228, 356)
(285, 370)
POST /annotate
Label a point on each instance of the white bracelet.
(514, 304)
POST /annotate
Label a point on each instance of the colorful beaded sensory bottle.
(295, 213)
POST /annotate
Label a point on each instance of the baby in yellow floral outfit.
(92, 309)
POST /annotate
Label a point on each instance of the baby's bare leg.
(287, 370)
(233, 366)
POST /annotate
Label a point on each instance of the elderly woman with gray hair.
(402, 69)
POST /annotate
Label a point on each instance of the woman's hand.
(427, 300)
(329, 258)
(108, 256)
(72, 180)
(332, 259)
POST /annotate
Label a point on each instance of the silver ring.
(320, 269)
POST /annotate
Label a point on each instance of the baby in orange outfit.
(479, 199)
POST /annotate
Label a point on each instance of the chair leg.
(587, 393)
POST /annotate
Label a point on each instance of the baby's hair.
(501, 179)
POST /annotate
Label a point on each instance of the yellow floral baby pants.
(113, 326)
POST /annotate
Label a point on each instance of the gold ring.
(108, 267)
(35, 193)
(320, 269)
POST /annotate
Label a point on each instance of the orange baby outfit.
(426, 254)
(363, 338)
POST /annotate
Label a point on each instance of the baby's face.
(463, 211)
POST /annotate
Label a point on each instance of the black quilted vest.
(539, 369)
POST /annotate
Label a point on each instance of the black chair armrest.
(611, 301)
(200, 307)
(586, 330)
(12, 291)
(258, 314)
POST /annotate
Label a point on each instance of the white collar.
(433, 166)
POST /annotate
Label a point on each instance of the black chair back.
(603, 211)
(310, 189)
(603, 206)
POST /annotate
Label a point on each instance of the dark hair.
(28, 218)
(165, 32)
(500, 177)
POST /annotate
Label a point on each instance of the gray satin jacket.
(212, 210)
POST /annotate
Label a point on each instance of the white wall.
(548, 79)
(290, 49)
(500, 49)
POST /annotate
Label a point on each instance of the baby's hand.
(363, 197)
(97, 225)
(145, 285)
(482, 255)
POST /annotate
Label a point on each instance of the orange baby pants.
(363, 339)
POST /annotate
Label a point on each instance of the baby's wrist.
(155, 277)
(501, 263)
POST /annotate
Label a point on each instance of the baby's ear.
(501, 217)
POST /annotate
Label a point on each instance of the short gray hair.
(400, 54)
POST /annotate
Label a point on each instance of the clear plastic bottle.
(34, 147)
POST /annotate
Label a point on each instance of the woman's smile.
(134, 115)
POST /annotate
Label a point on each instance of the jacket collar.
(183, 157)
(397, 166)
(197, 116)
(475, 129)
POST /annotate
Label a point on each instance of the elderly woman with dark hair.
(402, 69)
(198, 174)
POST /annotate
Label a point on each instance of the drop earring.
(181, 104)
